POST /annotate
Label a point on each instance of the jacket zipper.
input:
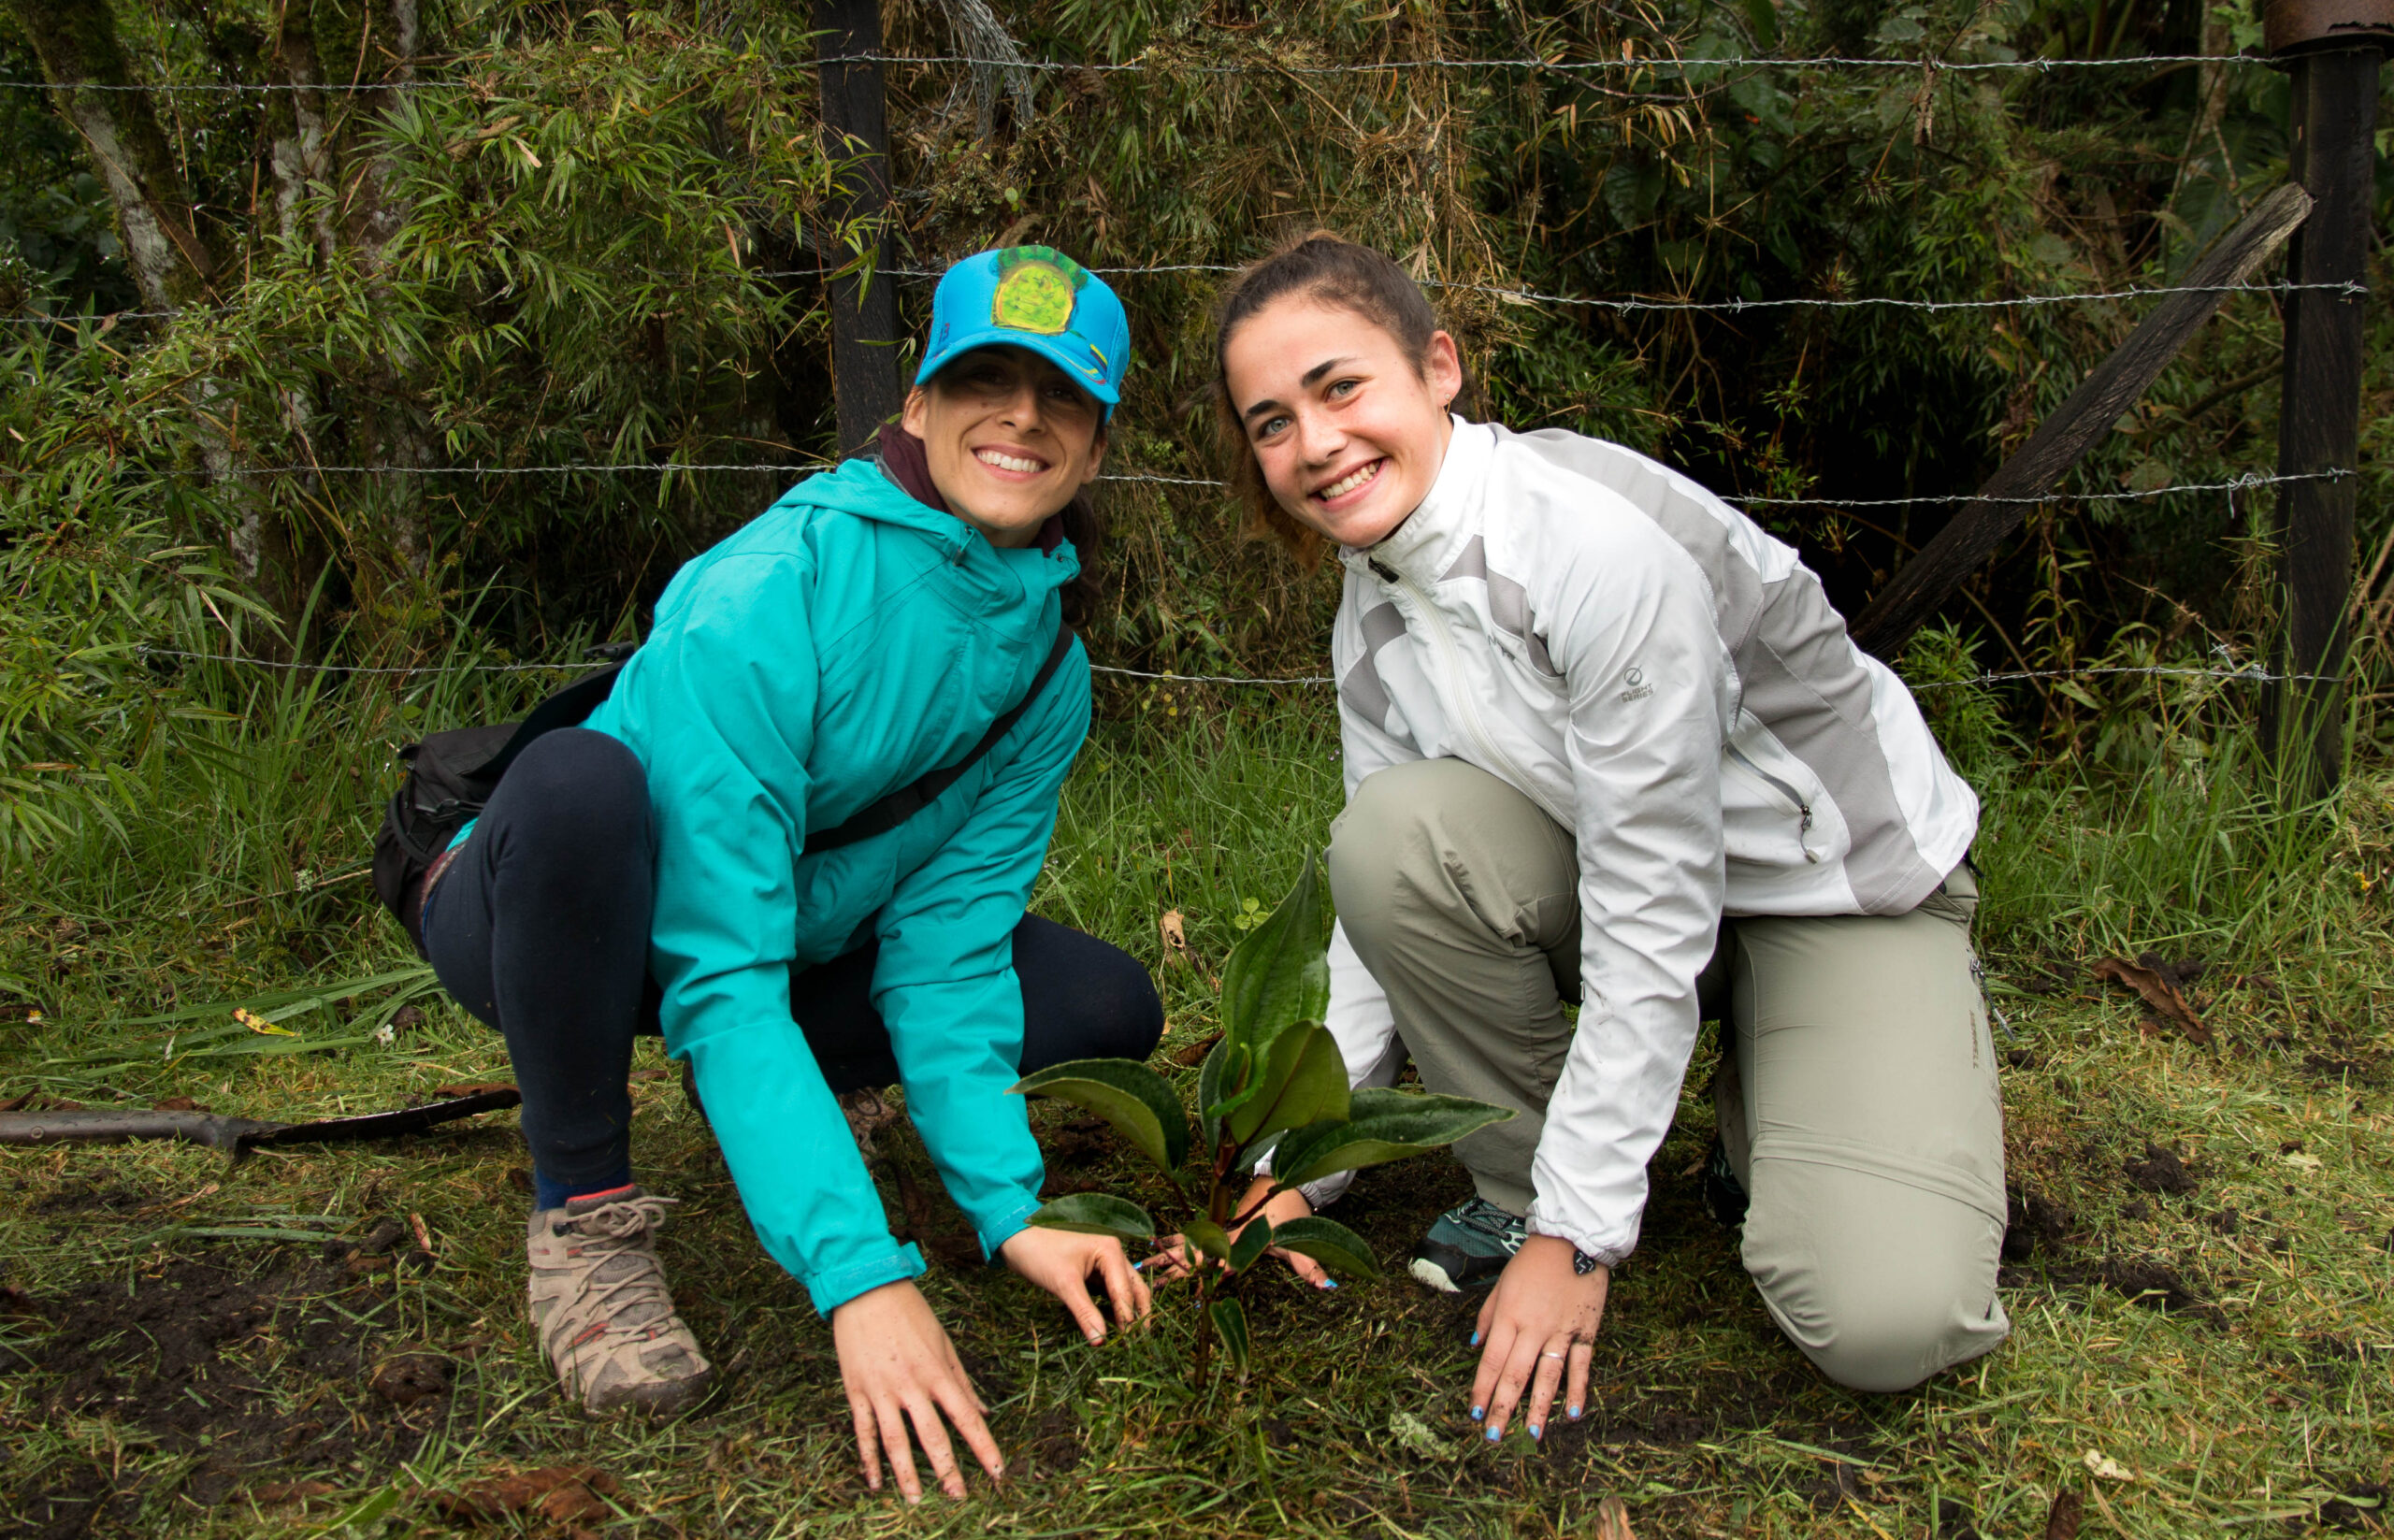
(1802, 808)
(1452, 657)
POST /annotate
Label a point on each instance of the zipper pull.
(2001, 1020)
(1379, 571)
(1803, 828)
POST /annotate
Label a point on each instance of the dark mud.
(247, 1364)
(2161, 1170)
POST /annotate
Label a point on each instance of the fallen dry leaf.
(276, 1493)
(2105, 1467)
(2061, 1520)
(2158, 988)
(1176, 936)
(1612, 1522)
(477, 1088)
(1194, 1054)
(562, 1493)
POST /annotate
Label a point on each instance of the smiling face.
(1348, 432)
(1009, 439)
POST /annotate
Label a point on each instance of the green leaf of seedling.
(1253, 1242)
(1222, 1086)
(1278, 974)
(1134, 1098)
(1304, 1080)
(1230, 1324)
(1383, 1125)
(1329, 1242)
(1209, 1238)
(1096, 1214)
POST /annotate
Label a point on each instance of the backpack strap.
(888, 814)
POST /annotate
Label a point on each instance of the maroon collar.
(904, 461)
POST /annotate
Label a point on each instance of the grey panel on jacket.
(1797, 671)
(1362, 689)
(1508, 603)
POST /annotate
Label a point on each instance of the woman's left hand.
(1540, 1325)
(1060, 1262)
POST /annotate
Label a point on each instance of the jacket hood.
(862, 487)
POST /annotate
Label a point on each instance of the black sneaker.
(1468, 1246)
(1724, 1198)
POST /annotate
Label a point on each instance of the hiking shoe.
(606, 1323)
(1468, 1246)
(1725, 1196)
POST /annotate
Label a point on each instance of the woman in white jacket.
(1607, 742)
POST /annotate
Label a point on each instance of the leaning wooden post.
(864, 311)
(2333, 48)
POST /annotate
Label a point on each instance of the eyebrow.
(1311, 378)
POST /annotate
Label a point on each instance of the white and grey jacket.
(1670, 683)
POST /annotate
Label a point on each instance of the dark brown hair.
(1084, 526)
(1326, 267)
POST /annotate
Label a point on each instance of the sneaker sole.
(1427, 1272)
(655, 1398)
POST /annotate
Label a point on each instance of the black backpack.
(449, 778)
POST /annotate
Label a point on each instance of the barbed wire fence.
(1692, 70)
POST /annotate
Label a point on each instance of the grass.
(172, 1362)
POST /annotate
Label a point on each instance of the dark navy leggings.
(540, 927)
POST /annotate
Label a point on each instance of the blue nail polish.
(1575, 1414)
(1493, 1435)
(1477, 1413)
(1329, 1283)
(1536, 1431)
(1475, 1339)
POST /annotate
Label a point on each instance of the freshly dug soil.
(233, 1356)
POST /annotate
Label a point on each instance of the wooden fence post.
(2334, 47)
(864, 313)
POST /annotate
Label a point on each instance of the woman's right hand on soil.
(1172, 1260)
(898, 1366)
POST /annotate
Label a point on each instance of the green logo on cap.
(1037, 290)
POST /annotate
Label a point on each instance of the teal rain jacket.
(847, 642)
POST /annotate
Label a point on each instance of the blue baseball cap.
(1035, 298)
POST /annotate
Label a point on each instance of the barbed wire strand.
(2246, 481)
(2347, 289)
(2251, 673)
(1390, 66)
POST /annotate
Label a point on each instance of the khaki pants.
(1859, 1103)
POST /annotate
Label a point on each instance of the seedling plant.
(1274, 1084)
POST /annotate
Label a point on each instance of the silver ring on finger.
(1550, 1355)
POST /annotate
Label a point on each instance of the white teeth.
(1349, 483)
(1009, 462)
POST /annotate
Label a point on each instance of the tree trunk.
(330, 184)
(90, 84)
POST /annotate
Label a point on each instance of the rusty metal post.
(864, 313)
(2332, 49)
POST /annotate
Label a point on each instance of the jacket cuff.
(1609, 1251)
(835, 1287)
(1011, 1222)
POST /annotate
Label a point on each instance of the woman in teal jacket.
(869, 628)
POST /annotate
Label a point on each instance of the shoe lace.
(1486, 1217)
(624, 1283)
